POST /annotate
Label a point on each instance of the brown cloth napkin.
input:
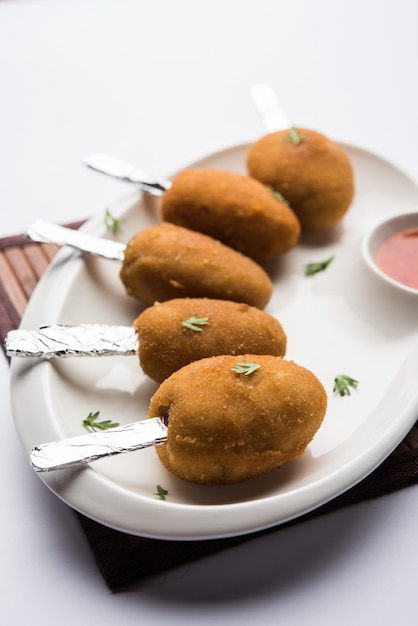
(124, 559)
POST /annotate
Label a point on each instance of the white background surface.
(160, 84)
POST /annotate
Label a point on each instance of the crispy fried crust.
(225, 427)
(235, 209)
(315, 176)
(165, 345)
(167, 261)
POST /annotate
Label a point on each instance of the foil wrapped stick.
(117, 168)
(269, 108)
(45, 232)
(65, 341)
(90, 447)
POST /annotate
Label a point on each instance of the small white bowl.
(378, 234)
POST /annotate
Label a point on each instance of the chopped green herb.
(343, 383)
(245, 367)
(91, 423)
(294, 136)
(113, 223)
(277, 195)
(161, 493)
(314, 268)
(194, 322)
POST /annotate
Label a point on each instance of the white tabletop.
(161, 84)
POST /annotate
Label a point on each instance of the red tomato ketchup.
(397, 257)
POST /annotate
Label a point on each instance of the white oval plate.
(341, 321)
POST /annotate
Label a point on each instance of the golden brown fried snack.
(314, 175)
(238, 210)
(166, 261)
(174, 333)
(224, 426)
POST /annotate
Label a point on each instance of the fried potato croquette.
(235, 209)
(225, 426)
(312, 172)
(167, 261)
(174, 333)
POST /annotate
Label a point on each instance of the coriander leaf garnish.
(113, 223)
(294, 136)
(194, 322)
(314, 268)
(245, 367)
(342, 384)
(277, 195)
(91, 423)
(161, 492)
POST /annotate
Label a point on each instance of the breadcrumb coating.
(167, 261)
(235, 209)
(224, 427)
(315, 175)
(166, 345)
